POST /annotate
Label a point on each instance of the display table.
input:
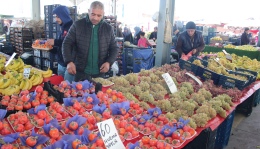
(250, 54)
(214, 123)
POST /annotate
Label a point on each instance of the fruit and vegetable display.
(246, 48)
(144, 111)
(216, 38)
(41, 44)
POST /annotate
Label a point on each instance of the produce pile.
(12, 80)
(41, 44)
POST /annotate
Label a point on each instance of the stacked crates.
(119, 59)
(112, 20)
(21, 39)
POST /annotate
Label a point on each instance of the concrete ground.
(245, 131)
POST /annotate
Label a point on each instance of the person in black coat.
(190, 40)
(128, 35)
(244, 38)
(154, 34)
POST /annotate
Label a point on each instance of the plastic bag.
(155, 17)
(115, 68)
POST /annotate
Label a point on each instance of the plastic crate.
(205, 140)
(208, 74)
(246, 107)
(229, 82)
(224, 131)
(253, 75)
(7, 49)
(188, 66)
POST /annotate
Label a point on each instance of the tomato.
(73, 125)
(31, 141)
(7, 146)
(80, 130)
(41, 131)
(176, 142)
(122, 124)
(24, 98)
(145, 140)
(19, 128)
(39, 89)
(186, 135)
(27, 105)
(23, 119)
(176, 135)
(160, 137)
(44, 92)
(128, 136)
(39, 122)
(50, 99)
(54, 133)
(43, 101)
(6, 131)
(35, 103)
(18, 107)
(42, 114)
(13, 100)
(63, 84)
(186, 128)
(6, 98)
(92, 136)
(166, 131)
(160, 144)
(64, 115)
(129, 128)
(89, 99)
(106, 114)
(79, 86)
(100, 142)
(4, 102)
(75, 143)
(146, 130)
(121, 131)
(77, 105)
(153, 142)
(1, 125)
(168, 140)
(91, 119)
(119, 94)
(28, 125)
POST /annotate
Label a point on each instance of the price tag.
(109, 134)
(169, 82)
(228, 56)
(10, 59)
(216, 44)
(26, 72)
(195, 78)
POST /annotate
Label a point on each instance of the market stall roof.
(6, 16)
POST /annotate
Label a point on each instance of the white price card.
(26, 72)
(228, 56)
(168, 79)
(195, 78)
(109, 134)
(10, 59)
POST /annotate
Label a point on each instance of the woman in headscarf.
(128, 35)
(137, 35)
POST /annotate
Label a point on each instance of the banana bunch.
(36, 79)
(25, 84)
(2, 59)
(47, 73)
(16, 64)
(10, 90)
(4, 83)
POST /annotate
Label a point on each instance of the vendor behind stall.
(190, 41)
(245, 38)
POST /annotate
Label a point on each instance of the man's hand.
(104, 67)
(71, 68)
(194, 51)
(50, 41)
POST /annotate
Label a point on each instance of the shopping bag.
(167, 30)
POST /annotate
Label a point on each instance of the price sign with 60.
(109, 134)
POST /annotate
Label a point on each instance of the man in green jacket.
(96, 48)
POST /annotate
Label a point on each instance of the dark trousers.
(83, 76)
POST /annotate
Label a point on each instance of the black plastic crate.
(7, 49)
(224, 131)
(188, 66)
(229, 82)
(252, 74)
(199, 69)
(205, 140)
(208, 74)
(257, 97)
(246, 107)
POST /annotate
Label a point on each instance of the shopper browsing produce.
(153, 35)
(62, 17)
(127, 35)
(96, 46)
(190, 42)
